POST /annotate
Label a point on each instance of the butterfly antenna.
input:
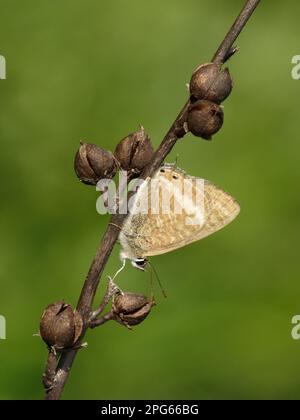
(120, 269)
(151, 283)
(158, 279)
(176, 161)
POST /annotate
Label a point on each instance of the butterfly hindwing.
(206, 210)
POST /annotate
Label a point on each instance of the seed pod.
(211, 83)
(93, 163)
(134, 152)
(60, 326)
(131, 308)
(204, 119)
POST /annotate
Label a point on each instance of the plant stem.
(110, 237)
(235, 30)
(100, 321)
(111, 290)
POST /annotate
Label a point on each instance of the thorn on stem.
(231, 52)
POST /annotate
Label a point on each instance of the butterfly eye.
(140, 263)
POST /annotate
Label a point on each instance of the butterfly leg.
(119, 271)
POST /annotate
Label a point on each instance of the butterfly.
(172, 210)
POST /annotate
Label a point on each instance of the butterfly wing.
(202, 210)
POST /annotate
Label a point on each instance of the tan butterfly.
(195, 209)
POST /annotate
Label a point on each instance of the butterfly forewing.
(180, 210)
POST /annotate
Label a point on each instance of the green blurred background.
(94, 70)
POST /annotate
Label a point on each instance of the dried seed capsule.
(204, 119)
(131, 308)
(221, 88)
(202, 79)
(211, 83)
(129, 302)
(134, 152)
(93, 163)
(60, 326)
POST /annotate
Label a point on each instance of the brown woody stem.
(111, 290)
(100, 321)
(50, 370)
